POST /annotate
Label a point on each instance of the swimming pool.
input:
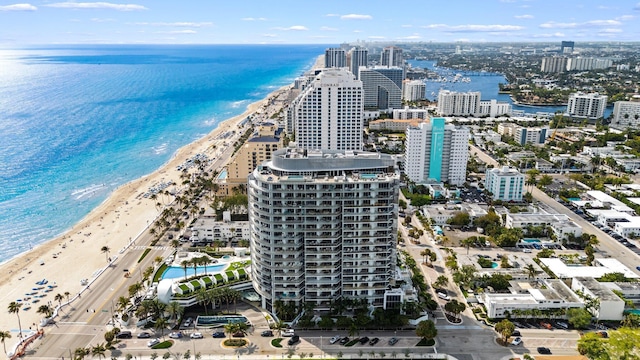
(223, 175)
(531, 240)
(174, 272)
(494, 264)
(218, 321)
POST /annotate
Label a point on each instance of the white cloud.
(356, 17)
(573, 25)
(526, 16)
(175, 32)
(269, 35)
(411, 37)
(18, 7)
(611, 31)
(625, 17)
(177, 24)
(507, 1)
(332, 15)
(377, 37)
(327, 28)
(293, 28)
(97, 5)
(254, 19)
(406, 26)
(474, 28)
(100, 20)
(557, 34)
(357, 31)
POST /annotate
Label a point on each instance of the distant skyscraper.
(357, 57)
(335, 57)
(589, 106)
(554, 64)
(392, 56)
(436, 152)
(566, 47)
(327, 115)
(413, 90)
(382, 87)
(451, 103)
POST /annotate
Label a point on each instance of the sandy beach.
(76, 255)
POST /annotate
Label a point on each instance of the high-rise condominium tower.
(328, 113)
(335, 57)
(436, 152)
(323, 226)
(357, 57)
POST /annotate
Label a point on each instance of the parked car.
(144, 335)
(266, 333)
(374, 341)
(288, 333)
(344, 340)
(335, 339)
(364, 340)
(196, 335)
(544, 350)
(176, 335)
(546, 325)
(238, 334)
(516, 333)
(218, 334)
(393, 341)
(517, 341)
(124, 335)
(294, 339)
(153, 342)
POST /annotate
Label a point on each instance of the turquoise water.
(174, 272)
(574, 199)
(223, 175)
(494, 264)
(530, 241)
(217, 321)
(632, 311)
(78, 121)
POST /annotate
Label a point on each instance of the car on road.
(544, 350)
(176, 335)
(393, 341)
(218, 334)
(144, 335)
(374, 341)
(364, 340)
(238, 334)
(344, 340)
(335, 339)
(294, 339)
(266, 333)
(516, 333)
(124, 335)
(288, 333)
(517, 341)
(196, 335)
(153, 342)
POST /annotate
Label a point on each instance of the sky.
(40, 22)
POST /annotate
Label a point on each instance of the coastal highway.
(608, 246)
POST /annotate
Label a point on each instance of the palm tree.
(105, 249)
(122, 303)
(66, 293)
(531, 271)
(45, 310)
(3, 336)
(231, 328)
(185, 264)
(205, 260)
(59, 298)
(161, 324)
(424, 253)
(80, 353)
(98, 350)
(14, 308)
(134, 289)
(175, 309)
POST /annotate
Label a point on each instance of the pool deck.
(226, 260)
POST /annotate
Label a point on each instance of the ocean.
(76, 122)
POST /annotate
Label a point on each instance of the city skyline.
(294, 22)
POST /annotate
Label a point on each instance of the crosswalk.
(142, 248)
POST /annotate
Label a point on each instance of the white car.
(153, 342)
(196, 335)
(335, 339)
(517, 341)
(288, 333)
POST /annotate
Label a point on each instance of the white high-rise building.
(408, 113)
(382, 87)
(328, 113)
(589, 105)
(504, 184)
(493, 108)
(335, 57)
(436, 152)
(323, 226)
(358, 56)
(452, 103)
(413, 90)
(392, 56)
(554, 64)
(626, 113)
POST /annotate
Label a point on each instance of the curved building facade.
(323, 226)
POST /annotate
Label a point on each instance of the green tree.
(469, 242)
(579, 318)
(505, 328)
(441, 281)
(461, 218)
(592, 346)
(454, 307)
(426, 329)
(161, 325)
(623, 344)
(98, 350)
(631, 321)
(545, 181)
(531, 271)
(4, 335)
(14, 308)
(105, 249)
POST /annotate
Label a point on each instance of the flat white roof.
(610, 265)
(634, 200)
(600, 196)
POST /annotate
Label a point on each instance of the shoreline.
(75, 255)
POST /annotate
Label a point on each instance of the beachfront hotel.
(323, 226)
(436, 152)
(327, 114)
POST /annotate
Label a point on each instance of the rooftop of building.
(603, 266)
(538, 217)
(504, 171)
(599, 290)
(264, 139)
